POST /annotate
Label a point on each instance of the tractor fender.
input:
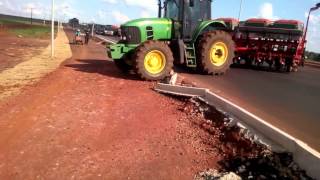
(208, 26)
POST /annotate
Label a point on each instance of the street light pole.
(52, 29)
(304, 38)
(307, 24)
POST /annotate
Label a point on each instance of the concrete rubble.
(244, 153)
(213, 174)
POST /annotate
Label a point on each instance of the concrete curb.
(105, 39)
(305, 156)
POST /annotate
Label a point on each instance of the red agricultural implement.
(279, 44)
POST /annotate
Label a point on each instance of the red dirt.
(87, 121)
(14, 50)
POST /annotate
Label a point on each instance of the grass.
(12, 21)
(19, 27)
(34, 31)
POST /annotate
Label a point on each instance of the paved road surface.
(288, 101)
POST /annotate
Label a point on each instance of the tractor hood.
(148, 29)
(148, 21)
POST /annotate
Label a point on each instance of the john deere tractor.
(185, 35)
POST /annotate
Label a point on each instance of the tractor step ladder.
(191, 55)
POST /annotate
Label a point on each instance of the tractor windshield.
(172, 9)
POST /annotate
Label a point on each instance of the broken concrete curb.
(305, 156)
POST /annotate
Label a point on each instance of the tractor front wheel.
(216, 52)
(153, 60)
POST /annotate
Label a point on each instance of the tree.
(74, 22)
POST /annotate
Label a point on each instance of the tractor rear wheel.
(215, 52)
(153, 60)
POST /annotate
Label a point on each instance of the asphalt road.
(288, 101)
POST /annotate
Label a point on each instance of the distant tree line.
(312, 56)
(25, 19)
(74, 22)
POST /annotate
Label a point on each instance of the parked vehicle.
(111, 30)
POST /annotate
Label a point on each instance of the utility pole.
(160, 8)
(52, 29)
(31, 11)
(304, 40)
(316, 7)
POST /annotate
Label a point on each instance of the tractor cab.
(187, 15)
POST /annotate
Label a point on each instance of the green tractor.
(185, 35)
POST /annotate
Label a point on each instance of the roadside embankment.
(30, 71)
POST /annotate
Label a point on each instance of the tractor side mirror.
(191, 3)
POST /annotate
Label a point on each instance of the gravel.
(241, 151)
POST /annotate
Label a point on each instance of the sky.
(119, 11)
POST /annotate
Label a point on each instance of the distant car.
(109, 32)
(99, 32)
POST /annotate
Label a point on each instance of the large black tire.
(277, 64)
(289, 65)
(141, 54)
(204, 47)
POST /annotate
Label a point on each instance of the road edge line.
(306, 157)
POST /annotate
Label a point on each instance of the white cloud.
(101, 14)
(110, 1)
(7, 7)
(314, 19)
(40, 10)
(266, 11)
(37, 9)
(65, 9)
(150, 5)
(313, 37)
(119, 17)
(147, 9)
(1, 3)
(145, 14)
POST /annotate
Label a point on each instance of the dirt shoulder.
(32, 66)
(88, 121)
(14, 49)
(20, 41)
